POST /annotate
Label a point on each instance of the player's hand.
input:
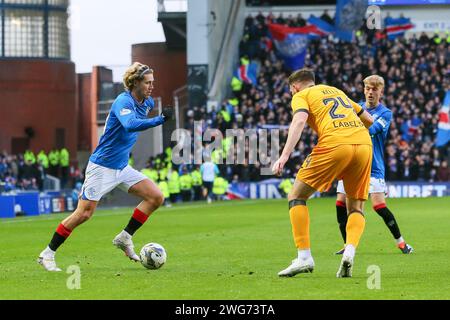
(167, 113)
(277, 168)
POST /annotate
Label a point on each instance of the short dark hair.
(302, 75)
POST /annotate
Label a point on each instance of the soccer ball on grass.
(153, 256)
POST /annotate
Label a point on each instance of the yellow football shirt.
(332, 115)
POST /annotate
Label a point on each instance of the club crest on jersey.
(91, 192)
(124, 112)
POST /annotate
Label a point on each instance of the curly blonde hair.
(135, 72)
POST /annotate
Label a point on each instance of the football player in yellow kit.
(343, 152)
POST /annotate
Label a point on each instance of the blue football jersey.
(378, 131)
(126, 118)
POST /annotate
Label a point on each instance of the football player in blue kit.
(108, 165)
(373, 90)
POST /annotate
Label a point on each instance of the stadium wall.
(87, 118)
(306, 11)
(268, 189)
(89, 94)
(214, 30)
(170, 67)
(425, 18)
(41, 95)
(227, 57)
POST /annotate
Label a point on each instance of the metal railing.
(52, 183)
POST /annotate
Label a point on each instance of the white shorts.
(100, 180)
(376, 186)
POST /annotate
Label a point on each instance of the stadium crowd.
(28, 171)
(417, 76)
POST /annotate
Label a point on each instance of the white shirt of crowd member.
(209, 170)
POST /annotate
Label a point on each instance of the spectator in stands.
(300, 22)
(443, 172)
(326, 17)
(9, 183)
(185, 185)
(209, 171)
(28, 175)
(64, 162)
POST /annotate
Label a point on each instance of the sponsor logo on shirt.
(124, 112)
(382, 122)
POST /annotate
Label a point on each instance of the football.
(153, 256)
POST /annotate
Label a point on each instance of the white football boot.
(123, 242)
(346, 267)
(298, 266)
(47, 260)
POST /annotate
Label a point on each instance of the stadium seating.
(414, 92)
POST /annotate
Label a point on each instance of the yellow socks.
(299, 214)
(355, 228)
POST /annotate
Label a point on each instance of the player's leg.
(83, 212)
(299, 216)
(208, 191)
(151, 195)
(99, 181)
(355, 228)
(341, 210)
(379, 205)
(355, 225)
(356, 179)
(317, 173)
(152, 199)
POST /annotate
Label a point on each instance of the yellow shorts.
(348, 162)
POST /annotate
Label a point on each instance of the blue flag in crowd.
(291, 44)
(324, 27)
(350, 15)
(443, 133)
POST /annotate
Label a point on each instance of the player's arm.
(300, 108)
(130, 122)
(365, 116)
(381, 124)
(294, 134)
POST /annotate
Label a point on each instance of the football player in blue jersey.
(373, 90)
(108, 165)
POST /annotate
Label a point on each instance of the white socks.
(399, 240)
(125, 234)
(349, 251)
(48, 252)
(304, 254)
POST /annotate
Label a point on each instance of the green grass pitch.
(231, 250)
